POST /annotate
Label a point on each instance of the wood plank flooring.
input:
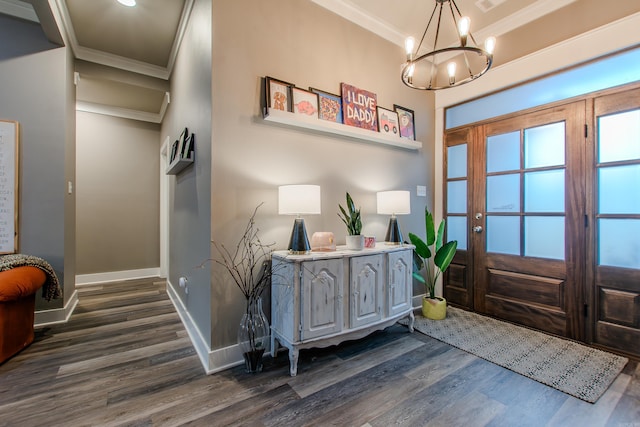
(124, 358)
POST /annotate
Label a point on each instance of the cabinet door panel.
(366, 289)
(322, 309)
(400, 271)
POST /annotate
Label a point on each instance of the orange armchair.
(18, 287)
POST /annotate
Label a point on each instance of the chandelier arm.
(433, 12)
(466, 62)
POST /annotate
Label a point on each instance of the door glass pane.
(457, 161)
(619, 137)
(619, 189)
(544, 191)
(457, 230)
(503, 193)
(503, 234)
(544, 146)
(503, 152)
(544, 236)
(457, 197)
(618, 243)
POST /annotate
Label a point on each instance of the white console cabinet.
(325, 298)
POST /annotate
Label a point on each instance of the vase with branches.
(249, 265)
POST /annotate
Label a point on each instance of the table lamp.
(299, 200)
(394, 203)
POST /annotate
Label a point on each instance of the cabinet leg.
(293, 361)
(275, 346)
(411, 321)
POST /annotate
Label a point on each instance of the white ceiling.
(126, 55)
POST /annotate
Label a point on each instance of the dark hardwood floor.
(124, 358)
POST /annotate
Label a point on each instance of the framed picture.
(304, 102)
(407, 123)
(174, 150)
(388, 122)
(329, 106)
(359, 107)
(278, 94)
(9, 165)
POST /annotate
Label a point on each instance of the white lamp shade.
(298, 199)
(394, 202)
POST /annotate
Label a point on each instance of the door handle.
(477, 229)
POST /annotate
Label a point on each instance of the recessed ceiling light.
(129, 3)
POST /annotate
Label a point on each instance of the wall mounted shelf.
(179, 164)
(339, 129)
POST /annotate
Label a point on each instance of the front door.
(520, 203)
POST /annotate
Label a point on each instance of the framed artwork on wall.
(304, 102)
(388, 122)
(278, 94)
(329, 106)
(9, 138)
(407, 122)
(359, 107)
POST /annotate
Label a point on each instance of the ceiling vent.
(487, 5)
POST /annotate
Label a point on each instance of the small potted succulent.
(352, 219)
(433, 307)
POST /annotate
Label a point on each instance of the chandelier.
(466, 61)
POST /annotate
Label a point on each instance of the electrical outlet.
(183, 284)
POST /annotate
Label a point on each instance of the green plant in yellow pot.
(433, 307)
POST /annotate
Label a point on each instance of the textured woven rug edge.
(591, 393)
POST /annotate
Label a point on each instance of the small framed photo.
(388, 122)
(304, 102)
(329, 106)
(278, 94)
(184, 136)
(174, 150)
(407, 123)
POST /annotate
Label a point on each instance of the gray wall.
(117, 194)
(302, 43)
(190, 191)
(37, 90)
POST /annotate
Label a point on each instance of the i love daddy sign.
(359, 107)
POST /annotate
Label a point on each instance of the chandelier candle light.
(423, 71)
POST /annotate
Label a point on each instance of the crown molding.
(349, 11)
(125, 113)
(116, 61)
(18, 9)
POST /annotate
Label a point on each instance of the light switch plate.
(421, 191)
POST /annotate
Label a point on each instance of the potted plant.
(433, 307)
(352, 219)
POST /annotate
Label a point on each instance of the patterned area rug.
(572, 368)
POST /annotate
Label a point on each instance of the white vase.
(355, 243)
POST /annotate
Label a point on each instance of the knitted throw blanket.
(51, 288)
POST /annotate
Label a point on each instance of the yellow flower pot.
(434, 308)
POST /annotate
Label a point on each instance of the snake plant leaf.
(431, 237)
(445, 255)
(422, 249)
(350, 205)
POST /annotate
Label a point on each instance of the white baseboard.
(57, 315)
(112, 276)
(212, 360)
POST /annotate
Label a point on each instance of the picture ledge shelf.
(296, 120)
(179, 164)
